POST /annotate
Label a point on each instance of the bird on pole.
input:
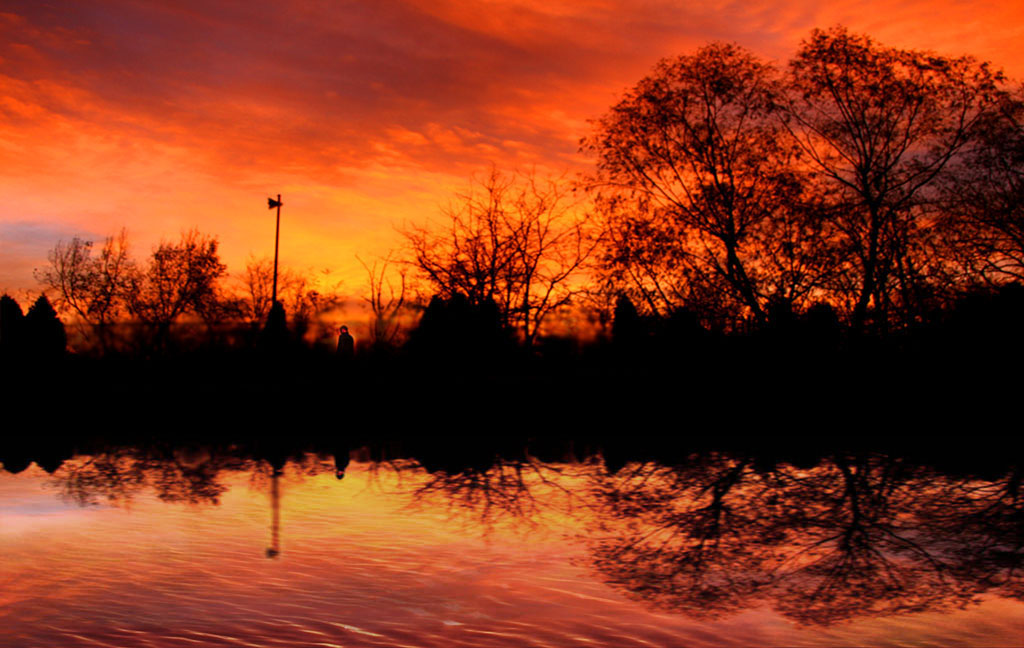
(271, 203)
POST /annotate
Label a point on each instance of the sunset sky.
(160, 116)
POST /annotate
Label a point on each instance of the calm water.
(198, 547)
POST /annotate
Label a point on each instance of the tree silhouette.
(854, 536)
(455, 332)
(490, 484)
(703, 196)
(628, 329)
(257, 282)
(274, 335)
(515, 240)
(687, 539)
(44, 330)
(180, 278)
(115, 477)
(118, 475)
(12, 327)
(982, 219)
(987, 517)
(858, 551)
(879, 125)
(95, 288)
(386, 308)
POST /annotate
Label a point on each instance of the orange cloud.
(362, 114)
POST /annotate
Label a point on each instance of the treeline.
(861, 192)
(119, 304)
(883, 182)
(858, 193)
(38, 334)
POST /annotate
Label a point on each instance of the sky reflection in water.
(136, 548)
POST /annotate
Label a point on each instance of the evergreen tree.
(12, 326)
(458, 331)
(45, 331)
(627, 327)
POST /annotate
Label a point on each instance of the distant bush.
(44, 331)
(12, 326)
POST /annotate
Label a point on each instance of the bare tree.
(181, 278)
(879, 125)
(302, 293)
(95, 288)
(308, 297)
(257, 281)
(386, 307)
(514, 239)
(982, 215)
(703, 199)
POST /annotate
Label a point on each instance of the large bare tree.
(514, 239)
(93, 287)
(879, 125)
(703, 196)
(386, 299)
(180, 278)
(982, 208)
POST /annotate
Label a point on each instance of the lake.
(157, 544)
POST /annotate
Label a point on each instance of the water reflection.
(822, 539)
(493, 490)
(850, 537)
(115, 477)
(274, 550)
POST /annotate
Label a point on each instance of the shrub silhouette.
(821, 327)
(627, 326)
(12, 327)
(275, 331)
(458, 330)
(45, 332)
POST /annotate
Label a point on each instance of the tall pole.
(277, 236)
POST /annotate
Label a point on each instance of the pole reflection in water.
(274, 550)
(465, 547)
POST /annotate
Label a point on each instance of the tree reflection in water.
(685, 539)
(987, 518)
(184, 474)
(708, 534)
(854, 536)
(488, 487)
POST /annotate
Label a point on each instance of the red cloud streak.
(164, 116)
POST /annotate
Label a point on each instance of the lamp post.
(271, 203)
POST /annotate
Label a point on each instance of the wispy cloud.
(161, 116)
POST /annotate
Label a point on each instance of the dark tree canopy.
(880, 125)
(748, 193)
(459, 330)
(981, 213)
(702, 194)
(181, 278)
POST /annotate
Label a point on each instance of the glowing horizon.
(161, 119)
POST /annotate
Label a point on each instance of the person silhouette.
(346, 344)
